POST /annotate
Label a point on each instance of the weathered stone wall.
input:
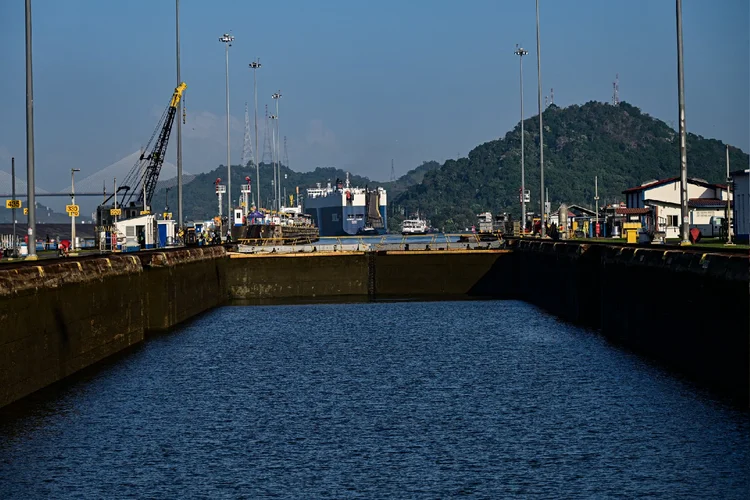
(60, 316)
(297, 276)
(373, 274)
(179, 284)
(688, 310)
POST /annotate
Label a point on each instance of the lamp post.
(274, 162)
(255, 65)
(276, 98)
(227, 40)
(179, 122)
(73, 202)
(31, 195)
(684, 227)
(729, 202)
(541, 127)
(520, 52)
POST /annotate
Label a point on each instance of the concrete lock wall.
(684, 309)
(688, 310)
(60, 316)
(372, 274)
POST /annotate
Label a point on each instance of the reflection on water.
(399, 399)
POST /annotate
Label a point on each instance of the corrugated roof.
(632, 211)
(662, 182)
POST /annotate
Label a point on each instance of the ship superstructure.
(344, 210)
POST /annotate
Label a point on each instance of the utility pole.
(13, 188)
(30, 196)
(179, 123)
(684, 237)
(541, 127)
(520, 52)
(729, 206)
(276, 97)
(73, 202)
(227, 39)
(596, 200)
(274, 162)
(255, 65)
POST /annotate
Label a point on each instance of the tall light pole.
(227, 40)
(73, 202)
(520, 52)
(541, 127)
(274, 162)
(684, 237)
(179, 122)
(729, 202)
(255, 65)
(276, 97)
(30, 139)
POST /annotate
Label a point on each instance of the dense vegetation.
(200, 201)
(621, 145)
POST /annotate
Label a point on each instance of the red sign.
(597, 228)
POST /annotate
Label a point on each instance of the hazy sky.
(362, 82)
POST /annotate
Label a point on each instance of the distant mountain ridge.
(621, 145)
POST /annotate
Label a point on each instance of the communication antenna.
(546, 101)
(247, 143)
(393, 172)
(551, 96)
(616, 90)
(286, 155)
(267, 155)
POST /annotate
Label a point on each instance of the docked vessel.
(414, 225)
(289, 226)
(344, 210)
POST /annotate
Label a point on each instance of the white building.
(707, 204)
(741, 197)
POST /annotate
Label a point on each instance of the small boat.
(414, 226)
(367, 231)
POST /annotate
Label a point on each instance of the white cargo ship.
(344, 210)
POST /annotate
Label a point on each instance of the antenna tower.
(551, 96)
(616, 90)
(247, 143)
(393, 172)
(267, 155)
(286, 155)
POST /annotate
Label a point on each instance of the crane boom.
(156, 157)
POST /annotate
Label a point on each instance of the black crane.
(139, 185)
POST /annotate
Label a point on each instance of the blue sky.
(362, 82)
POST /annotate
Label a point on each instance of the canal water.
(488, 399)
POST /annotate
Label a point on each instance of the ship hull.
(279, 235)
(346, 220)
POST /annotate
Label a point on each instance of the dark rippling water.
(376, 400)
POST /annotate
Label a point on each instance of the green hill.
(621, 145)
(199, 197)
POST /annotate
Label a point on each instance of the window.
(673, 220)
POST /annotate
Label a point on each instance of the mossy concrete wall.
(372, 274)
(686, 309)
(60, 316)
